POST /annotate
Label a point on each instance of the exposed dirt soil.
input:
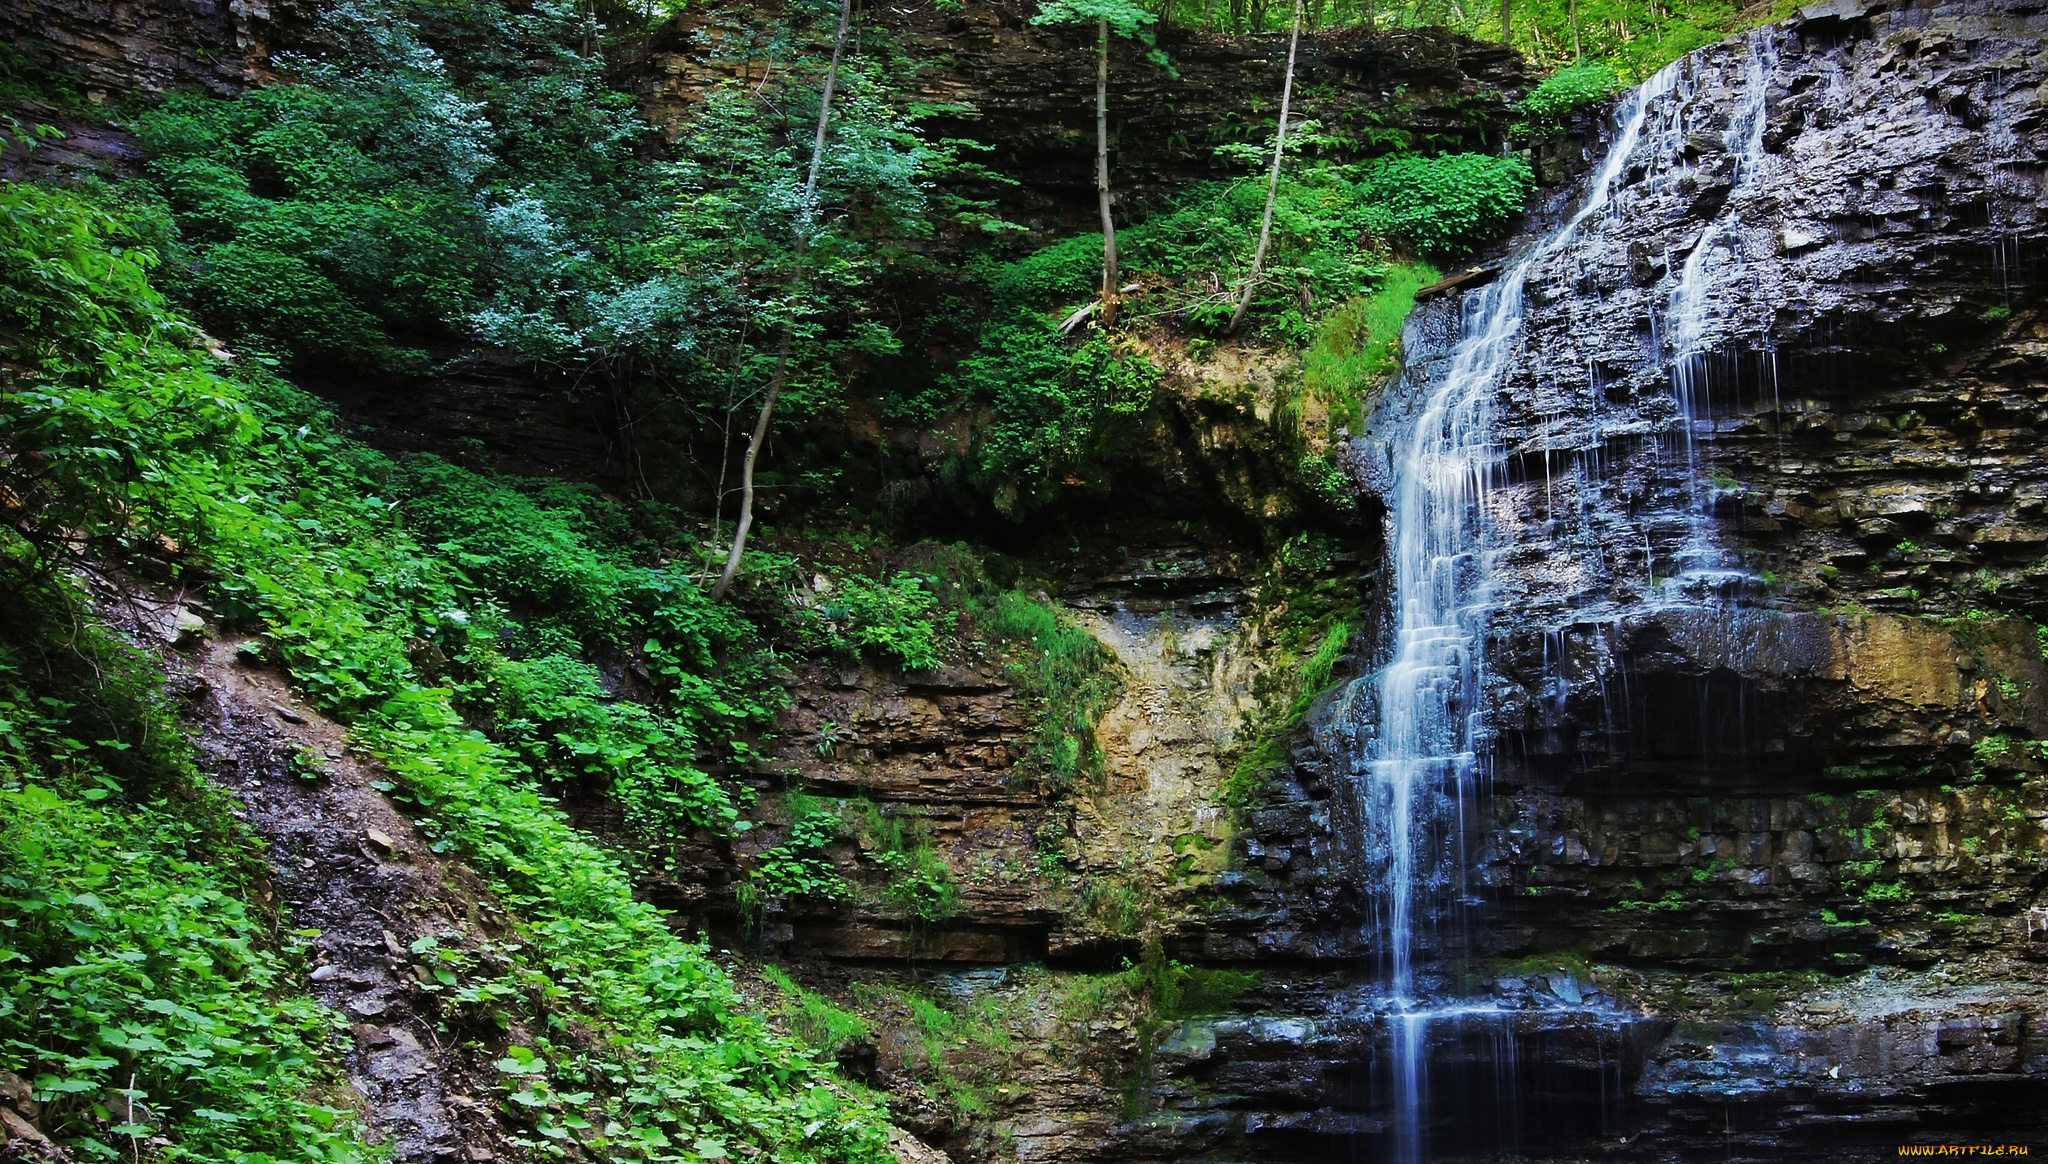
(350, 865)
(345, 863)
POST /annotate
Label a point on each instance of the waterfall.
(1688, 316)
(1421, 771)
(1422, 766)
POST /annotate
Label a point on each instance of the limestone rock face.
(1763, 688)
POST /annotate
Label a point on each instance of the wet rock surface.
(152, 46)
(1765, 698)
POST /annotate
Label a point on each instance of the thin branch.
(806, 215)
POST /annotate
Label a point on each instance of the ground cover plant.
(284, 525)
(146, 996)
(1052, 395)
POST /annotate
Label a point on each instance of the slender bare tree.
(807, 215)
(1125, 19)
(1102, 169)
(1272, 179)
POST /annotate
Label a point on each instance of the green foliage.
(1994, 752)
(352, 240)
(1241, 788)
(1118, 904)
(379, 200)
(1358, 346)
(1123, 17)
(465, 173)
(899, 617)
(300, 543)
(796, 868)
(133, 969)
(1672, 901)
(966, 1046)
(1212, 230)
(1636, 36)
(570, 559)
(1563, 93)
(920, 883)
(1446, 205)
(1881, 894)
(553, 713)
(25, 79)
(1070, 676)
(107, 405)
(825, 1028)
(1049, 399)
(1179, 991)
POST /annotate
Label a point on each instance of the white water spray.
(1421, 774)
(1700, 570)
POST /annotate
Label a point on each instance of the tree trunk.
(1272, 179)
(1108, 314)
(807, 212)
(1507, 12)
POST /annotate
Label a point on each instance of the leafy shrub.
(132, 967)
(355, 236)
(554, 713)
(1444, 205)
(795, 869)
(1048, 397)
(566, 558)
(1562, 94)
(108, 409)
(1206, 238)
(898, 618)
(1117, 904)
(134, 971)
(532, 556)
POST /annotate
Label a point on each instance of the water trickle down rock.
(1781, 196)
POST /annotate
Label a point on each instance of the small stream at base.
(1420, 770)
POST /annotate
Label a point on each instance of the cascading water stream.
(1689, 312)
(1421, 773)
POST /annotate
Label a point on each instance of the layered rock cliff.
(1763, 681)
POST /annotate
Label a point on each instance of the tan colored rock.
(911, 1150)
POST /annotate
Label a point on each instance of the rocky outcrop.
(118, 49)
(1764, 689)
